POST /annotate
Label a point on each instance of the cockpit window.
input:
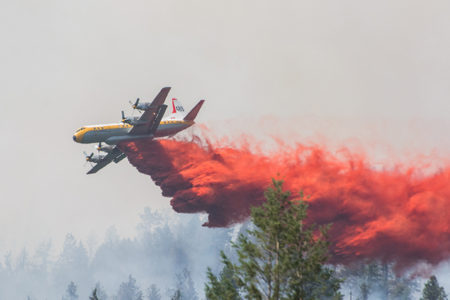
(80, 129)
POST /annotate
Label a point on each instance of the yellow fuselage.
(101, 133)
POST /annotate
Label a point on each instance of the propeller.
(88, 158)
(135, 103)
(123, 117)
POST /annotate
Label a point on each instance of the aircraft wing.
(149, 121)
(115, 155)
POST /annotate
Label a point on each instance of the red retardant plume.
(392, 215)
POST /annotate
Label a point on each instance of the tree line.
(274, 256)
(283, 258)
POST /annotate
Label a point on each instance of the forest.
(177, 258)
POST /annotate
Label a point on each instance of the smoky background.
(370, 75)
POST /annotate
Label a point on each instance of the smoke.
(399, 214)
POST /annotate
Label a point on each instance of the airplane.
(146, 127)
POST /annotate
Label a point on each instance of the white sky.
(344, 69)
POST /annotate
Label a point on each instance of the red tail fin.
(193, 113)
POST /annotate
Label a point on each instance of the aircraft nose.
(74, 138)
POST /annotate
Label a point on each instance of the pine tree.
(71, 292)
(364, 291)
(94, 295)
(185, 286)
(402, 288)
(432, 290)
(98, 293)
(176, 295)
(129, 290)
(153, 293)
(376, 277)
(72, 264)
(101, 293)
(282, 257)
(223, 287)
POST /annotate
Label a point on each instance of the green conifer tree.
(281, 258)
(432, 290)
(223, 287)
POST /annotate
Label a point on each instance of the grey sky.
(344, 66)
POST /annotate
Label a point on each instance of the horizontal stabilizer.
(193, 113)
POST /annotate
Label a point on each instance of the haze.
(341, 69)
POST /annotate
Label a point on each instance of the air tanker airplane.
(148, 126)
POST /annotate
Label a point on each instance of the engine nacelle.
(131, 120)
